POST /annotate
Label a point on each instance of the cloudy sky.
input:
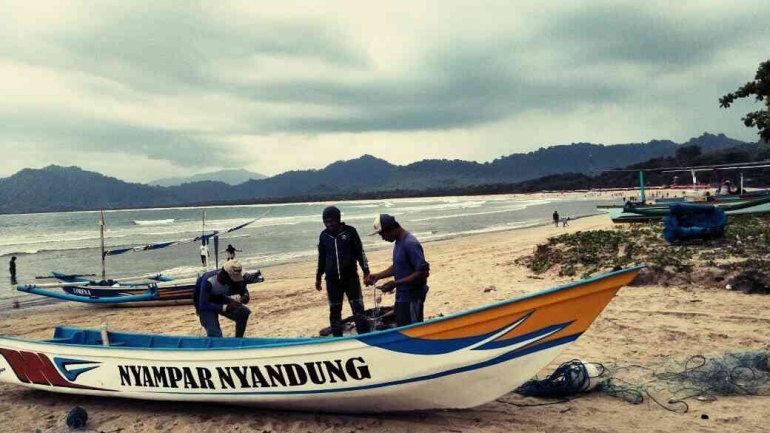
(140, 90)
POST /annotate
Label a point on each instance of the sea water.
(69, 242)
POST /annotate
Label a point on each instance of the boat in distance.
(456, 361)
(637, 212)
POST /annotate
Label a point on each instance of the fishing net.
(669, 384)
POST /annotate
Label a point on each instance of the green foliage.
(743, 253)
(760, 89)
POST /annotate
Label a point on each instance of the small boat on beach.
(456, 361)
(133, 291)
(155, 289)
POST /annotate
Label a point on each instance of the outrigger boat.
(755, 202)
(457, 361)
(146, 290)
(111, 292)
(633, 212)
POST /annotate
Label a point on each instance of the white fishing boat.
(458, 361)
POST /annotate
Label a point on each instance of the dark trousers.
(410, 306)
(409, 312)
(210, 321)
(336, 290)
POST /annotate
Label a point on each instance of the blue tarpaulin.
(694, 221)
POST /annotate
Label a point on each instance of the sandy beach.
(643, 325)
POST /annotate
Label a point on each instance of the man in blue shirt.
(409, 269)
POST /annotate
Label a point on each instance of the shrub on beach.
(741, 257)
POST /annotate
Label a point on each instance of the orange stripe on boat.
(579, 304)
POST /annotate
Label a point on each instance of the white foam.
(153, 222)
(462, 215)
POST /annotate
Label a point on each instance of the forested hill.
(57, 188)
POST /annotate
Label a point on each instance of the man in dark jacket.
(212, 298)
(339, 248)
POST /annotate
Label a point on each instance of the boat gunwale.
(314, 341)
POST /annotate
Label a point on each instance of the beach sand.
(642, 325)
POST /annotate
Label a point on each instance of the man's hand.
(370, 279)
(389, 286)
(232, 305)
(245, 298)
(318, 286)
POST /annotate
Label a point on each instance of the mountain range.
(56, 188)
(230, 177)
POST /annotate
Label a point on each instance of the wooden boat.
(457, 361)
(147, 290)
(111, 292)
(640, 212)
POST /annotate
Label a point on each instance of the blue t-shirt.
(409, 257)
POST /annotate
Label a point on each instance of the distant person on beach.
(12, 269)
(230, 250)
(409, 269)
(204, 254)
(340, 250)
(555, 219)
(565, 222)
(212, 298)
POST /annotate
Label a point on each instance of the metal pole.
(641, 186)
(101, 236)
(742, 192)
(203, 237)
(216, 251)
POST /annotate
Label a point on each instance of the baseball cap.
(384, 222)
(234, 269)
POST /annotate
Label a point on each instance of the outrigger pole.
(101, 236)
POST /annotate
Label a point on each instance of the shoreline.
(288, 201)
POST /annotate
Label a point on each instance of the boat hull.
(458, 361)
(166, 292)
(158, 290)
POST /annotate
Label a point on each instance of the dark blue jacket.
(211, 297)
(337, 255)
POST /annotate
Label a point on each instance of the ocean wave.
(492, 229)
(31, 251)
(471, 214)
(153, 222)
(48, 238)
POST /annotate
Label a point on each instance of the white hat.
(234, 270)
(384, 222)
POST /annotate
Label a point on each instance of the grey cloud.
(183, 148)
(646, 34)
(173, 51)
(458, 82)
